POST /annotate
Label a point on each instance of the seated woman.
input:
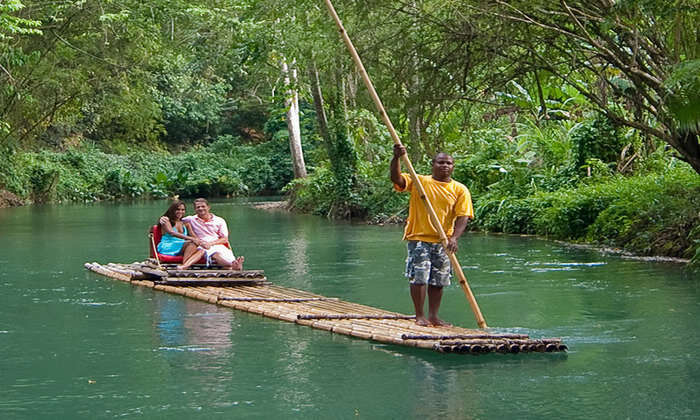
(178, 238)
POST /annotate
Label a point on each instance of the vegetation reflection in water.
(83, 346)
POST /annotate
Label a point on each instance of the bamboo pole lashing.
(377, 328)
(281, 300)
(481, 322)
(395, 330)
(376, 333)
(216, 273)
(381, 329)
(354, 316)
(322, 311)
(541, 342)
(201, 281)
(461, 336)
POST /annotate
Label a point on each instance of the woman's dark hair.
(170, 212)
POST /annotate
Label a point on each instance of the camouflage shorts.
(428, 263)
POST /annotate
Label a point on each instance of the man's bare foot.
(181, 267)
(237, 264)
(437, 322)
(422, 322)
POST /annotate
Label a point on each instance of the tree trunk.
(292, 104)
(542, 113)
(415, 122)
(342, 154)
(317, 96)
(688, 146)
(416, 106)
(414, 113)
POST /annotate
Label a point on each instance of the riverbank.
(603, 250)
(650, 215)
(653, 214)
(272, 205)
(7, 199)
(224, 168)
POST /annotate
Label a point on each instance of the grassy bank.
(655, 214)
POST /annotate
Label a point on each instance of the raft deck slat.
(320, 312)
(199, 281)
(355, 316)
(260, 299)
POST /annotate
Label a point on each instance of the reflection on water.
(297, 257)
(182, 327)
(77, 345)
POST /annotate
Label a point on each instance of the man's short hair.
(441, 153)
(201, 200)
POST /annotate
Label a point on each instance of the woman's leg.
(191, 254)
(188, 250)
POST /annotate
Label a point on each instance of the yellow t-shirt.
(449, 200)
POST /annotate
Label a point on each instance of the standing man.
(212, 232)
(427, 262)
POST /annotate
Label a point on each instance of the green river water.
(76, 345)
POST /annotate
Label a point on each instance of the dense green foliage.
(530, 186)
(224, 168)
(569, 119)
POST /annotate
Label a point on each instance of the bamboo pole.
(412, 172)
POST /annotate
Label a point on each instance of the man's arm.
(167, 227)
(193, 236)
(222, 233)
(223, 240)
(460, 225)
(395, 167)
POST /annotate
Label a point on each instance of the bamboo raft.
(251, 292)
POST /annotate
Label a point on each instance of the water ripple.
(185, 348)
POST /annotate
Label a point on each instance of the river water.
(77, 345)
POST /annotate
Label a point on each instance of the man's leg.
(237, 264)
(439, 278)
(418, 296)
(434, 300)
(225, 258)
(418, 271)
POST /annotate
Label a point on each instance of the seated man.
(212, 232)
